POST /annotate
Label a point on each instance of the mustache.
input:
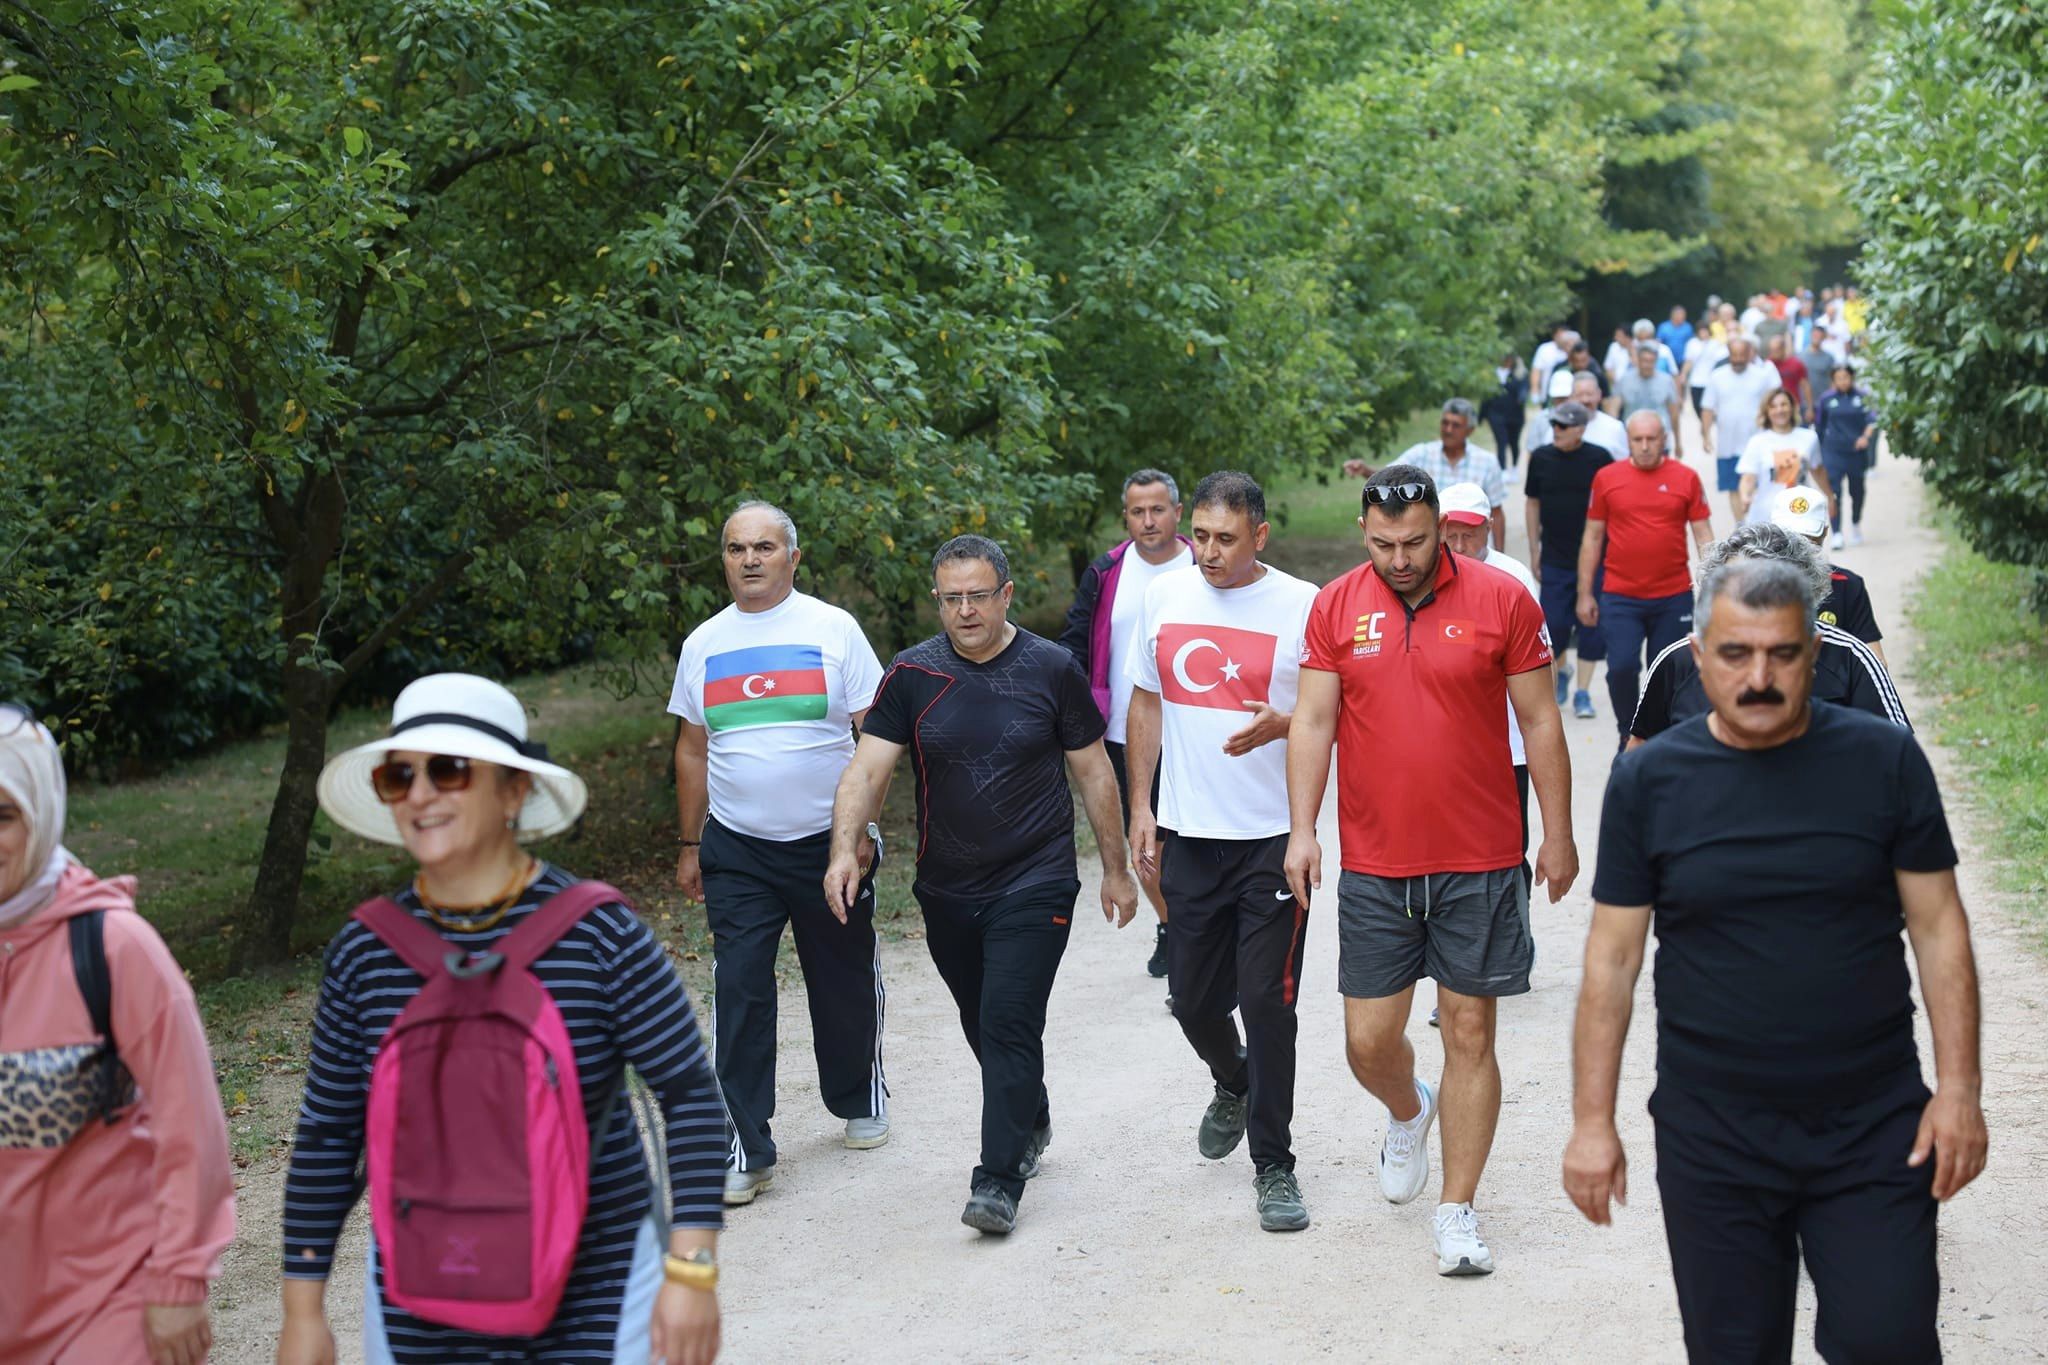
(1769, 696)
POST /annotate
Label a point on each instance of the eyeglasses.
(1380, 494)
(961, 601)
(391, 781)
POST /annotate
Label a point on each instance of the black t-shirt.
(1845, 673)
(988, 743)
(1780, 972)
(1562, 484)
(1848, 606)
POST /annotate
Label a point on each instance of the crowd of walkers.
(1769, 814)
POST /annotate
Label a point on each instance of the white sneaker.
(742, 1186)
(1835, 541)
(865, 1133)
(1404, 1152)
(1855, 535)
(1459, 1250)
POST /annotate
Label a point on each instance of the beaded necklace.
(471, 919)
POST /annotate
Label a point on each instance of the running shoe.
(1855, 535)
(1222, 1124)
(1835, 541)
(990, 1209)
(1280, 1206)
(1433, 1020)
(1459, 1249)
(1169, 1002)
(742, 1186)
(1564, 686)
(1034, 1151)
(1582, 704)
(866, 1133)
(1404, 1152)
(1157, 965)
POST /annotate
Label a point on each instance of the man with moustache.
(1213, 681)
(1789, 1111)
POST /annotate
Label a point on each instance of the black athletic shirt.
(1562, 484)
(989, 742)
(1845, 673)
(1848, 606)
(1780, 975)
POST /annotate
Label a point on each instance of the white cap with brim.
(464, 716)
(1466, 502)
(1802, 510)
(1560, 383)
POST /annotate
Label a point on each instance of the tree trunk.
(265, 934)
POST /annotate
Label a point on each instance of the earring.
(511, 822)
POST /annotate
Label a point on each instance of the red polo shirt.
(1647, 511)
(1424, 780)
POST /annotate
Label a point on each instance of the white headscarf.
(32, 777)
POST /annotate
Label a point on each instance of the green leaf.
(355, 140)
(17, 82)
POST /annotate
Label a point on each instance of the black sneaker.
(1041, 1138)
(1222, 1124)
(1280, 1206)
(1157, 966)
(990, 1209)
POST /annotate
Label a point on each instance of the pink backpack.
(479, 1153)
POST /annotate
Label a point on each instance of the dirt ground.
(1130, 1246)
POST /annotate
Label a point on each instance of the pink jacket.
(125, 1214)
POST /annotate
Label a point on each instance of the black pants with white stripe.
(1235, 942)
(752, 888)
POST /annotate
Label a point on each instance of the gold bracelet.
(690, 1274)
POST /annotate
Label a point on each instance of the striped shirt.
(622, 1003)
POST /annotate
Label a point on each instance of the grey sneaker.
(742, 1186)
(863, 1134)
(1041, 1138)
(1222, 1124)
(990, 1209)
(1280, 1206)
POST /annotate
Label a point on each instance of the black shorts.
(1467, 931)
(1123, 780)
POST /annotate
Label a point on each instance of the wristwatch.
(698, 1270)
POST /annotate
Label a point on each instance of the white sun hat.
(464, 716)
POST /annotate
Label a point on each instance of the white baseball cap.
(1560, 383)
(464, 716)
(1802, 510)
(1466, 502)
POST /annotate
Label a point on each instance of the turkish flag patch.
(1459, 632)
(1215, 666)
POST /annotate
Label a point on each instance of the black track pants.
(998, 958)
(752, 888)
(1235, 941)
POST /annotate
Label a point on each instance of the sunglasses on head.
(393, 780)
(1380, 494)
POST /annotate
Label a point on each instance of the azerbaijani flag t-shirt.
(775, 692)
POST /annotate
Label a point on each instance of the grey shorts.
(1467, 931)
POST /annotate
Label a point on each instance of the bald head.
(1646, 441)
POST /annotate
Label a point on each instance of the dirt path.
(1132, 1247)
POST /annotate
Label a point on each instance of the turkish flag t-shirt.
(1210, 654)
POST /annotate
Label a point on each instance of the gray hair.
(973, 547)
(1643, 327)
(1462, 407)
(1141, 477)
(1759, 584)
(781, 517)
(1760, 543)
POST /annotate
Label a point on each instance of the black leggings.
(1507, 440)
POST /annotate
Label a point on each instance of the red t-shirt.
(1791, 374)
(1424, 780)
(1646, 511)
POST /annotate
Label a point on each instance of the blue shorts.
(1725, 477)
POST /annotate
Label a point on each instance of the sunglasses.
(1380, 494)
(393, 780)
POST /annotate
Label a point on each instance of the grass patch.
(193, 834)
(1324, 503)
(1984, 659)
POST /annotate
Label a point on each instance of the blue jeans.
(1630, 622)
(1846, 472)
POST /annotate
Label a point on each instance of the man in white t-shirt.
(769, 692)
(1214, 685)
(1549, 356)
(1728, 413)
(1102, 629)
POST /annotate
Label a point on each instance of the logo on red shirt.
(1214, 666)
(1459, 632)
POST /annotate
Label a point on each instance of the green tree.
(1949, 168)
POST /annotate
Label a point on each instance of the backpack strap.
(554, 917)
(88, 932)
(419, 947)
